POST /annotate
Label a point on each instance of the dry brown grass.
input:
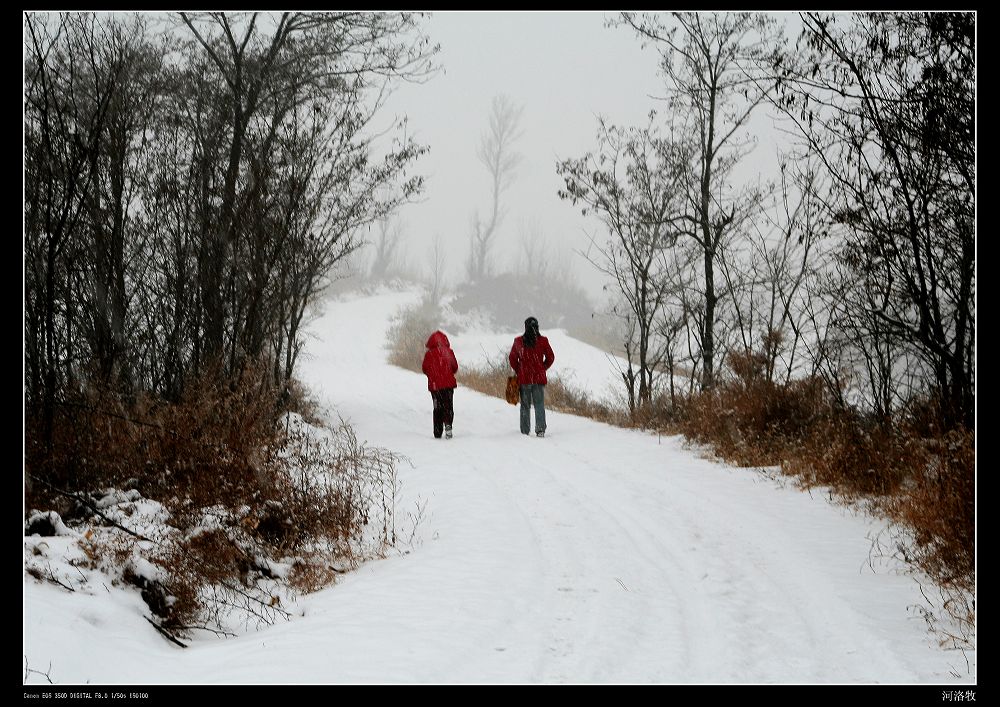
(310, 574)
(753, 424)
(408, 335)
(857, 458)
(211, 444)
(243, 487)
(939, 505)
(920, 479)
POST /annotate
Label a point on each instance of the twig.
(621, 583)
(165, 633)
(920, 586)
(415, 521)
(250, 598)
(28, 671)
(52, 578)
(246, 607)
(108, 413)
(227, 634)
(90, 504)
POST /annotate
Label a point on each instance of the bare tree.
(793, 263)
(496, 152)
(769, 272)
(387, 241)
(635, 184)
(706, 59)
(533, 260)
(674, 325)
(81, 74)
(437, 262)
(886, 101)
(175, 183)
(277, 70)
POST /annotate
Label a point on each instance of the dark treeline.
(190, 180)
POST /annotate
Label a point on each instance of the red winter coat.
(440, 364)
(531, 362)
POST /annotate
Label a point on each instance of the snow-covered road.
(594, 555)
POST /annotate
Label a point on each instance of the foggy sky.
(563, 68)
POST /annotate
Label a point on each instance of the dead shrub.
(754, 423)
(939, 507)
(216, 556)
(311, 574)
(296, 398)
(242, 488)
(407, 336)
(207, 446)
(855, 457)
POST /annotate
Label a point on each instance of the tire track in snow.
(634, 561)
(757, 595)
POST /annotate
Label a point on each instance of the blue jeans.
(532, 394)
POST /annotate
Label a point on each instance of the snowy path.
(606, 554)
(594, 555)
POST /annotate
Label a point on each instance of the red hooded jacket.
(531, 362)
(440, 364)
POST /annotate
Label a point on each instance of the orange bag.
(513, 393)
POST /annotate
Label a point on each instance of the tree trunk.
(709, 243)
(48, 406)
(708, 332)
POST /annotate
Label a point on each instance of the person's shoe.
(540, 433)
(447, 431)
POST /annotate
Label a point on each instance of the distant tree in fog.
(533, 257)
(496, 152)
(437, 261)
(387, 240)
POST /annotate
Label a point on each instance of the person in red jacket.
(440, 366)
(530, 357)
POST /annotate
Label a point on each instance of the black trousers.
(444, 412)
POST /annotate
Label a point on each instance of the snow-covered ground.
(596, 554)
